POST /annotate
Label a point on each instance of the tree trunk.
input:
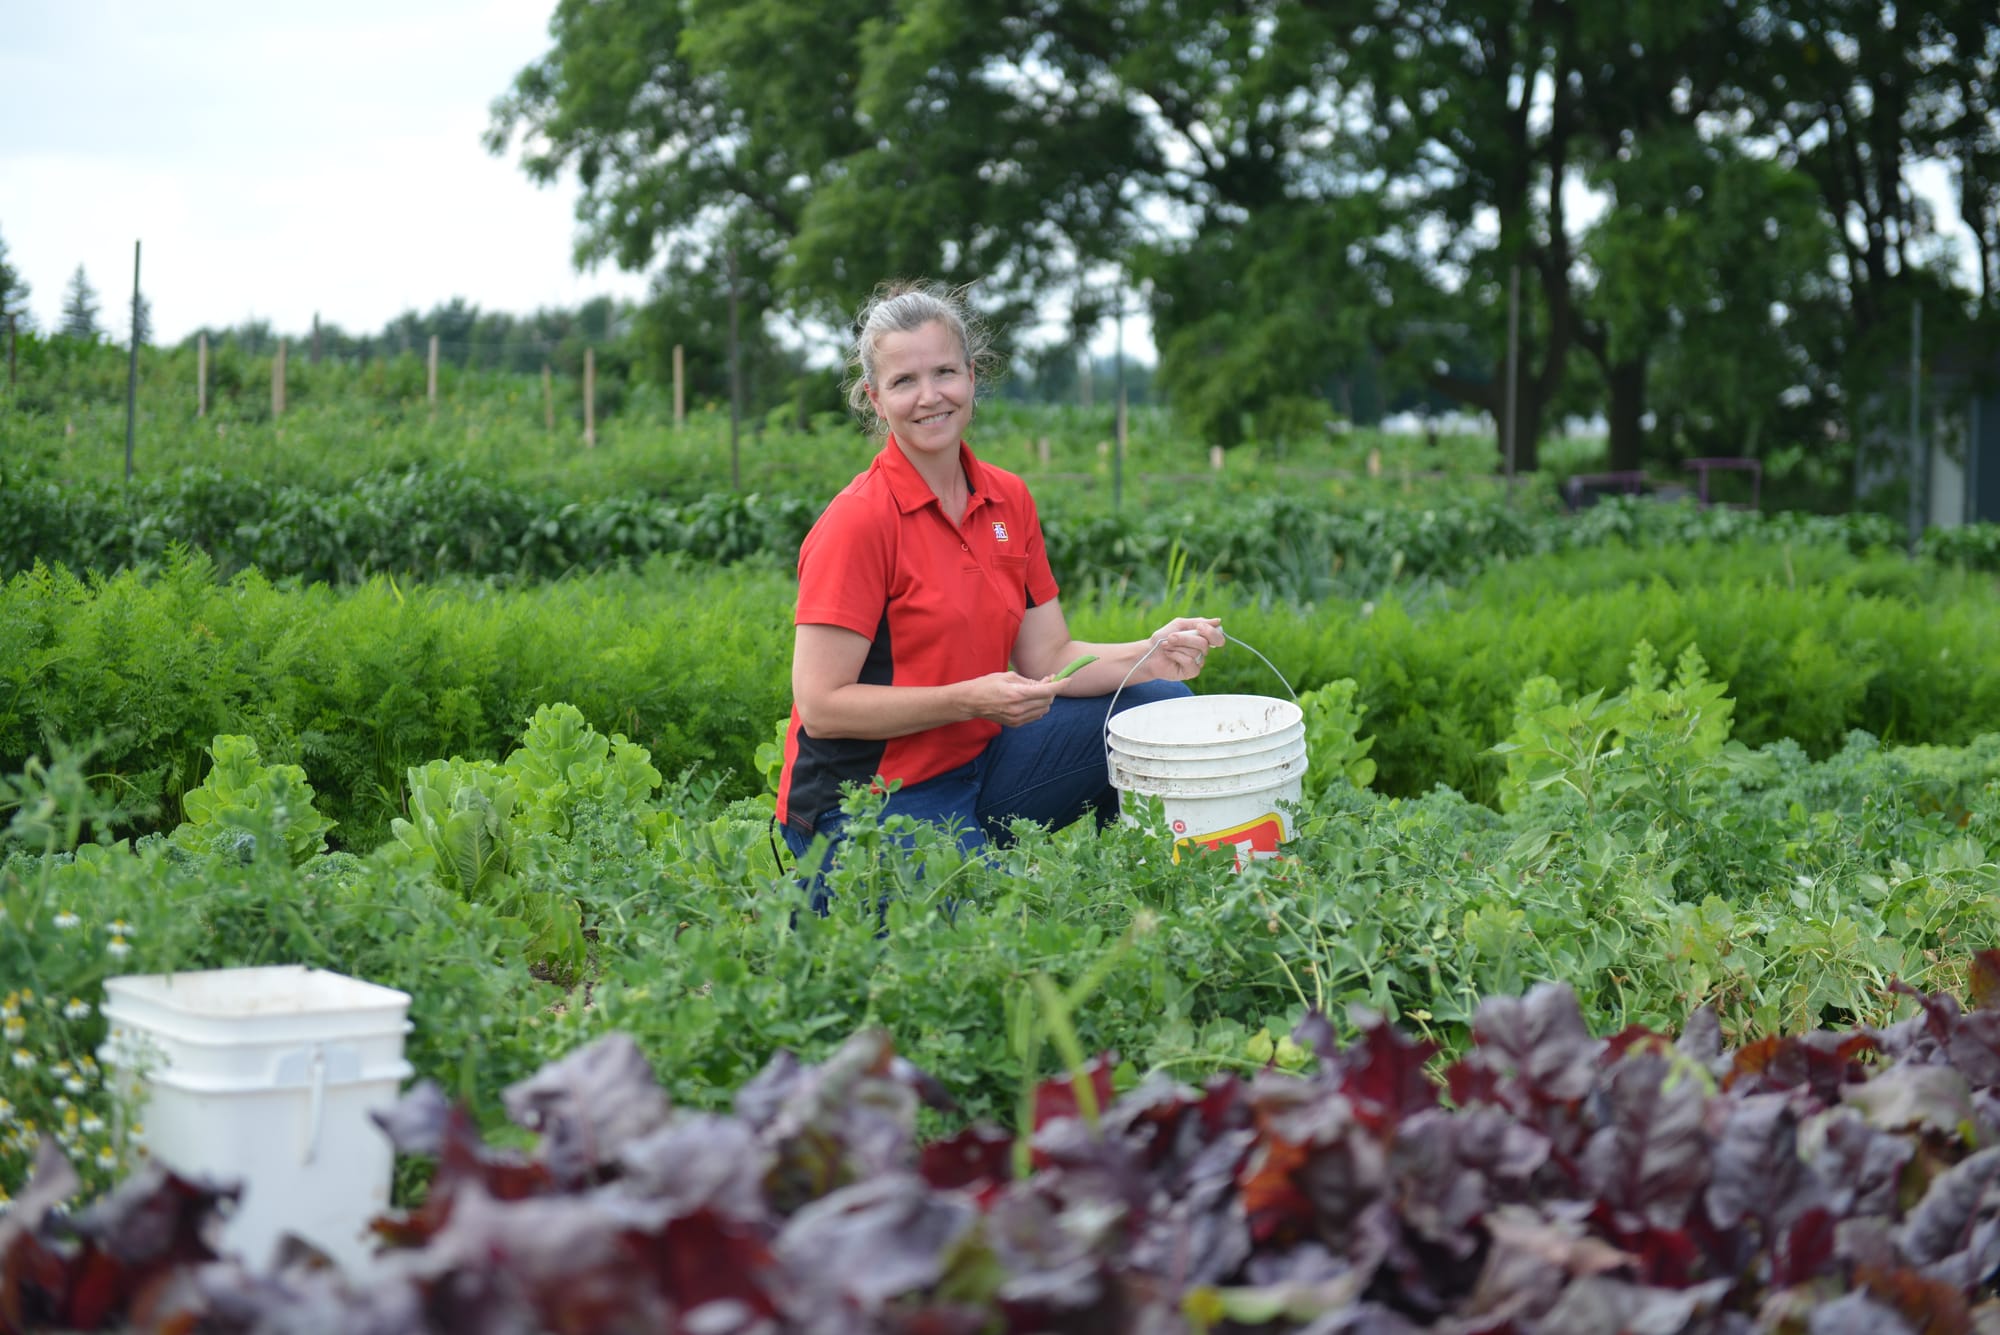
(1627, 384)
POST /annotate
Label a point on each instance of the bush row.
(433, 522)
(357, 684)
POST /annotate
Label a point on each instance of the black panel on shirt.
(824, 764)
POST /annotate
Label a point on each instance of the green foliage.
(462, 832)
(1783, 891)
(460, 829)
(770, 757)
(356, 686)
(563, 762)
(1606, 752)
(243, 803)
(1333, 715)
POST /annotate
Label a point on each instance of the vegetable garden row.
(1724, 777)
(1640, 857)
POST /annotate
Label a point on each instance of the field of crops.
(441, 703)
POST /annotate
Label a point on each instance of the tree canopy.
(1712, 210)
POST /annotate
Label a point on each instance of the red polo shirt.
(939, 603)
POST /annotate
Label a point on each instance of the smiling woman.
(930, 643)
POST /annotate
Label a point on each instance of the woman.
(928, 630)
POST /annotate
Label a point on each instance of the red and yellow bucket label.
(1255, 838)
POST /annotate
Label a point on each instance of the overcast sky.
(276, 159)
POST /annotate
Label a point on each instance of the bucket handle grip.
(1113, 708)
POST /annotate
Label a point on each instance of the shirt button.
(963, 548)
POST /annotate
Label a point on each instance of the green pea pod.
(1082, 661)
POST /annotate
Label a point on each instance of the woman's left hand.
(1184, 644)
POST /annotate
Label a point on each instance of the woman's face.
(922, 389)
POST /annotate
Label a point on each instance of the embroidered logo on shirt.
(999, 531)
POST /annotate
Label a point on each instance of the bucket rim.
(1139, 723)
(1244, 746)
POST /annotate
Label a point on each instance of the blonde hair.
(904, 308)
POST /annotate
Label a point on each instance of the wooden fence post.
(1215, 457)
(201, 374)
(278, 382)
(590, 396)
(680, 387)
(431, 379)
(548, 398)
(132, 368)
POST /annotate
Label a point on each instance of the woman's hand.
(1008, 698)
(1183, 649)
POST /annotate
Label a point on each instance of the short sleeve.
(845, 566)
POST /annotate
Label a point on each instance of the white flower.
(119, 927)
(67, 920)
(92, 1125)
(77, 1009)
(23, 1059)
(119, 948)
(76, 1085)
(107, 1158)
(13, 1028)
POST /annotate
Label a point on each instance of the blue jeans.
(1050, 771)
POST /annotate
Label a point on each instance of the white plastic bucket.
(1228, 769)
(266, 1077)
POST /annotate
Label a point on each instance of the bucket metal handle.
(1231, 639)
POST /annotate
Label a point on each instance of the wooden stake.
(548, 398)
(680, 387)
(590, 397)
(316, 343)
(431, 380)
(201, 375)
(1042, 451)
(1215, 457)
(278, 382)
(132, 369)
(1118, 457)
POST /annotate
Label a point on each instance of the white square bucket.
(265, 1077)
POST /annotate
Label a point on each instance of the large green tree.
(1691, 196)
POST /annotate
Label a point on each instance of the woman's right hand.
(1008, 698)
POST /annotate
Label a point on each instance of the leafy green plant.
(243, 801)
(1333, 715)
(563, 762)
(1645, 744)
(461, 831)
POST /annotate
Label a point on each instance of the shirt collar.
(907, 485)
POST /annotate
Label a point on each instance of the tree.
(13, 292)
(79, 311)
(1302, 189)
